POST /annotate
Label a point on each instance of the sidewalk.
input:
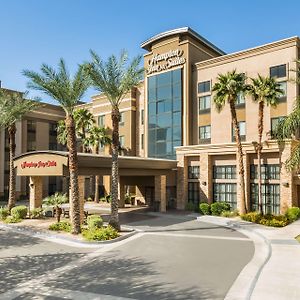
(274, 271)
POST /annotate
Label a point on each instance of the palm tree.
(67, 91)
(264, 91)
(226, 89)
(61, 132)
(13, 107)
(97, 135)
(115, 78)
(56, 201)
(84, 119)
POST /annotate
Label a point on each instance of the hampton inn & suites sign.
(165, 61)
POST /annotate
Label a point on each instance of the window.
(31, 126)
(204, 87)
(267, 172)
(101, 121)
(204, 134)
(204, 104)
(122, 118)
(225, 192)
(31, 135)
(240, 100)
(194, 172)
(283, 87)
(122, 140)
(270, 198)
(242, 127)
(274, 124)
(52, 129)
(142, 116)
(142, 141)
(225, 172)
(278, 71)
(193, 192)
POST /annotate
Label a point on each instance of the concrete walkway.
(274, 271)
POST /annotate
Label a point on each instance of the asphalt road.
(172, 259)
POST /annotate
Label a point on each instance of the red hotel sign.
(39, 164)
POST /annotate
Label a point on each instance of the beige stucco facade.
(198, 61)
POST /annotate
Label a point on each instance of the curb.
(64, 239)
(245, 283)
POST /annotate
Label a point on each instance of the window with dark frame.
(278, 71)
(204, 134)
(242, 127)
(193, 172)
(224, 172)
(204, 87)
(193, 192)
(270, 171)
(204, 104)
(225, 192)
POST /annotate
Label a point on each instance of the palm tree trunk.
(241, 169)
(97, 180)
(259, 150)
(114, 218)
(12, 175)
(73, 170)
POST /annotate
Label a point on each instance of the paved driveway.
(174, 258)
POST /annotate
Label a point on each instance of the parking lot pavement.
(186, 260)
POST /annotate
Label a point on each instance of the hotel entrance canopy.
(55, 163)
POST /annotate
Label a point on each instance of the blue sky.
(37, 31)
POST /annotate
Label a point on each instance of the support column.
(36, 192)
(106, 184)
(246, 161)
(182, 176)
(81, 188)
(160, 183)
(205, 178)
(121, 193)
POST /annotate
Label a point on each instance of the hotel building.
(170, 115)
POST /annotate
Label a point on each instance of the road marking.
(215, 237)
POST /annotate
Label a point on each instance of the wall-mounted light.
(285, 184)
(203, 183)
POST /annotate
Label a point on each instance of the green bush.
(218, 207)
(252, 217)
(230, 214)
(190, 206)
(293, 214)
(100, 234)
(61, 226)
(127, 199)
(37, 213)
(19, 212)
(94, 222)
(108, 198)
(4, 212)
(274, 221)
(204, 208)
(103, 199)
(11, 219)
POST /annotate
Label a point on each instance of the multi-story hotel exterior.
(171, 115)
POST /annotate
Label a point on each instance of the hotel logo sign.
(165, 61)
(39, 164)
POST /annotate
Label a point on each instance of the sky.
(42, 31)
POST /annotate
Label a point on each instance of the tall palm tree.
(226, 90)
(67, 91)
(97, 135)
(115, 78)
(84, 119)
(61, 132)
(13, 106)
(264, 91)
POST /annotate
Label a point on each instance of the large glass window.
(204, 134)
(240, 100)
(242, 127)
(101, 121)
(193, 192)
(225, 192)
(194, 172)
(204, 87)
(270, 198)
(164, 114)
(122, 118)
(53, 136)
(225, 172)
(283, 87)
(31, 135)
(267, 172)
(274, 124)
(278, 71)
(204, 104)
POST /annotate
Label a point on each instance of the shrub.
(37, 213)
(127, 199)
(230, 214)
(19, 212)
(4, 212)
(103, 199)
(108, 198)
(11, 219)
(94, 222)
(204, 208)
(274, 221)
(100, 234)
(293, 214)
(252, 217)
(61, 226)
(218, 207)
(191, 206)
